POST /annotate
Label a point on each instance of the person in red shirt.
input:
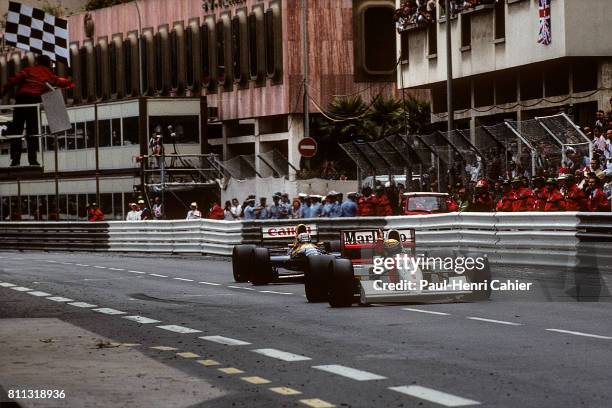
(94, 213)
(575, 199)
(366, 206)
(554, 198)
(540, 194)
(216, 212)
(523, 196)
(383, 207)
(505, 202)
(596, 199)
(483, 200)
(31, 84)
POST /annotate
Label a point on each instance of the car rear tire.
(480, 276)
(241, 258)
(316, 277)
(261, 271)
(342, 283)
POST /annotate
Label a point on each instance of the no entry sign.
(307, 147)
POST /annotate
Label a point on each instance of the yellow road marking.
(208, 363)
(164, 348)
(317, 403)
(188, 354)
(285, 391)
(230, 370)
(255, 380)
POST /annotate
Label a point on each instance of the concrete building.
(229, 72)
(502, 72)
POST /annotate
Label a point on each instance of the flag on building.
(545, 36)
(32, 29)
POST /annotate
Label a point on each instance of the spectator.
(94, 213)
(306, 206)
(483, 200)
(599, 140)
(216, 212)
(336, 210)
(315, 206)
(296, 209)
(158, 211)
(383, 207)
(596, 198)
(31, 84)
(261, 211)
(504, 204)
(349, 206)
(133, 214)
(328, 204)
(145, 213)
(607, 187)
(367, 203)
(554, 199)
(523, 196)
(227, 211)
(600, 119)
(277, 210)
(575, 200)
(193, 213)
(249, 209)
(236, 209)
(540, 194)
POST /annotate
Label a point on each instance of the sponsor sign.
(371, 236)
(286, 231)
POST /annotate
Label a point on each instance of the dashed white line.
(426, 311)
(116, 269)
(158, 275)
(18, 259)
(141, 319)
(138, 272)
(281, 355)
(239, 287)
(39, 294)
(7, 285)
(66, 263)
(210, 283)
(276, 293)
(100, 267)
(225, 340)
(21, 289)
(437, 397)
(495, 321)
(60, 299)
(109, 311)
(179, 329)
(184, 279)
(348, 372)
(52, 261)
(575, 333)
(82, 304)
(84, 265)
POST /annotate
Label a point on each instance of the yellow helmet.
(392, 245)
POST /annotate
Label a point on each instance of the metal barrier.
(553, 240)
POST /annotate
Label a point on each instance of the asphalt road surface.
(118, 330)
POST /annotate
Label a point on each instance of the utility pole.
(449, 70)
(305, 67)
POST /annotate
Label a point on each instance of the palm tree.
(349, 123)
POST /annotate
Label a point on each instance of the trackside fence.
(564, 240)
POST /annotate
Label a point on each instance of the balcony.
(413, 15)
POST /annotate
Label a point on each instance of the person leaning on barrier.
(575, 200)
(31, 85)
(134, 213)
(349, 206)
(540, 193)
(504, 204)
(248, 208)
(383, 206)
(145, 213)
(596, 198)
(193, 213)
(482, 200)
(554, 199)
(94, 213)
(262, 211)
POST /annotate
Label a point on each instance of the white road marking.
(116, 269)
(348, 372)
(281, 355)
(239, 287)
(276, 293)
(66, 263)
(183, 279)
(21, 289)
(7, 285)
(426, 311)
(141, 273)
(495, 321)
(225, 340)
(437, 397)
(81, 265)
(211, 283)
(575, 333)
(141, 319)
(100, 267)
(159, 276)
(18, 259)
(179, 329)
(109, 311)
(60, 299)
(82, 304)
(52, 261)
(40, 294)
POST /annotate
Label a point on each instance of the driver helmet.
(392, 246)
(303, 238)
(301, 228)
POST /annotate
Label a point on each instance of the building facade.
(230, 73)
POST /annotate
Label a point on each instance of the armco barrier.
(560, 240)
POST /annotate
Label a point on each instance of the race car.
(404, 279)
(420, 203)
(287, 252)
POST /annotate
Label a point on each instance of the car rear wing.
(285, 234)
(360, 246)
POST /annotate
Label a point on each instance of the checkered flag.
(32, 29)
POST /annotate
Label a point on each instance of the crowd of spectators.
(415, 12)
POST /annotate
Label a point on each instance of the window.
(500, 20)
(80, 135)
(205, 52)
(127, 65)
(378, 40)
(557, 79)
(84, 71)
(484, 87)
(505, 87)
(72, 207)
(42, 207)
(252, 23)
(71, 139)
(118, 206)
(112, 51)
(190, 127)
(189, 55)
(270, 44)
(432, 39)
(130, 131)
(236, 60)
(144, 72)
(82, 206)
(116, 132)
(104, 133)
(584, 75)
(99, 54)
(531, 83)
(90, 132)
(466, 30)
(174, 56)
(158, 62)
(106, 205)
(220, 31)
(63, 207)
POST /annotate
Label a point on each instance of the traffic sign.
(307, 147)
